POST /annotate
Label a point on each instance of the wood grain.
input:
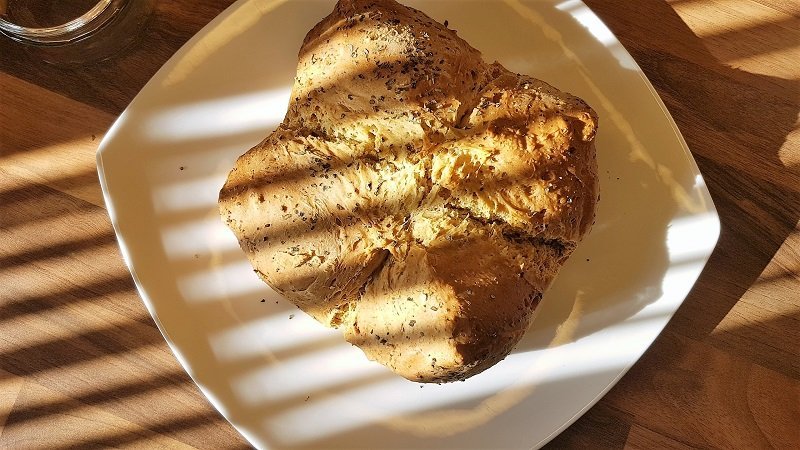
(81, 362)
(111, 84)
(82, 365)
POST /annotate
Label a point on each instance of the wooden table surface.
(82, 364)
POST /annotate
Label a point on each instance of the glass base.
(106, 30)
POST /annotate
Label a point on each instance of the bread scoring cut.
(415, 197)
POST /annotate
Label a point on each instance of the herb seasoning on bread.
(415, 197)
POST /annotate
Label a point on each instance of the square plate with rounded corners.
(285, 381)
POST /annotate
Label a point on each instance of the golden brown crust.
(416, 197)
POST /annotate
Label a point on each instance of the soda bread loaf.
(415, 197)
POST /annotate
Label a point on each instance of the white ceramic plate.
(286, 382)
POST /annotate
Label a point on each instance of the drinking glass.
(74, 31)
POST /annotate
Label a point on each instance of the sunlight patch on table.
(105, 363)
(92, 424)
(50, 327)
(788, 153)
(52, 165)
(76, 274)
(726, 16)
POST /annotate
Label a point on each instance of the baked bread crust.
(415, 197)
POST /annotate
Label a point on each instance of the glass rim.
(70, 31)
